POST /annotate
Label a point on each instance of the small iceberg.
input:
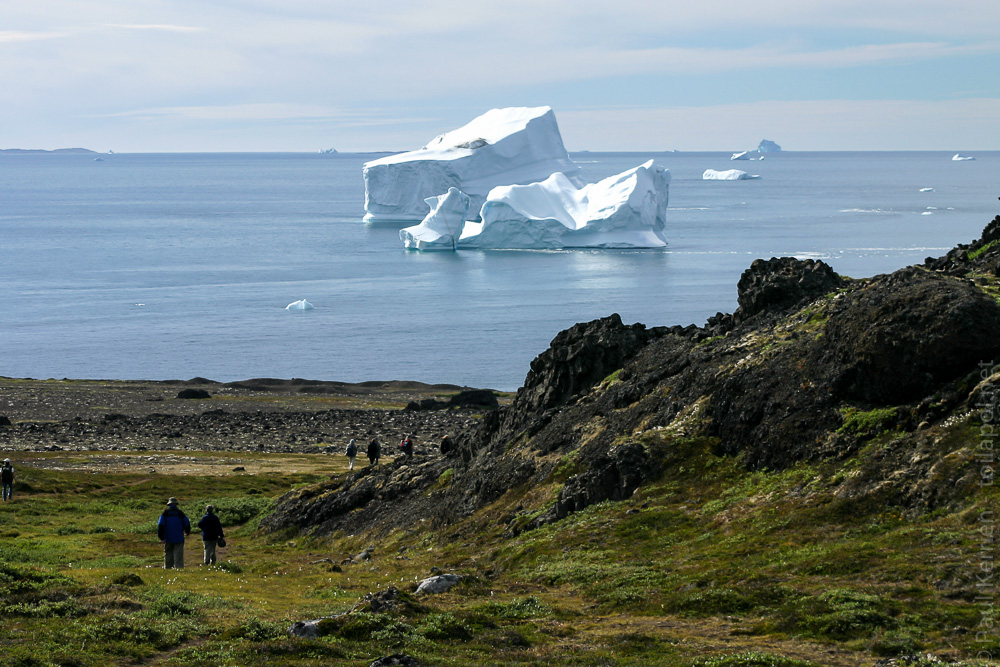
(745, 155)
(927, 189)
(728, 175)
(958, 157)
(301, 304)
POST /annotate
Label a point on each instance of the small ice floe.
(958, 157)
(727, 175)
(927, 189)
(927, 213)
(301, 304)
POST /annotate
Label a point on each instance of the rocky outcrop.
(904, 335)
(781, 283)
(811, 366)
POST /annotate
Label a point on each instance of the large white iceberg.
(958, 157)
(442, 227)
(727, 175)
(502, 147)
(623, 211)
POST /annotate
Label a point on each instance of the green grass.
(709, 566)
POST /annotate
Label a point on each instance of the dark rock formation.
(193, 394)
(776, 383)
(781, 283)
(469, 399)
(905, 334)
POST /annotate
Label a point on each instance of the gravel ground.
(263, 415)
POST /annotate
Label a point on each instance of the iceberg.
(442, 227)
(627, 210)
(745, 155)
(301, 304)
(958, 157)
(515, 145)
(728, 175)
(768, 146)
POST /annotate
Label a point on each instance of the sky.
(627, 75)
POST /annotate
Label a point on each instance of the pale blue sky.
(300, 75)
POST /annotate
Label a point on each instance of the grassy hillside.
(709, 565)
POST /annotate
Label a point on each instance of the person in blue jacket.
(171, 529)
(211, 533)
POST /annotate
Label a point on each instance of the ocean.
(173, 266)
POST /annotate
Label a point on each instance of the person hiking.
(407, 447)
(352, 451)
(171, 529)
(211, 533)
(374, 451)
(7, 479)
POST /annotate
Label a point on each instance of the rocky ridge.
(811, 367)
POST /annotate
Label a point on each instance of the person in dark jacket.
(7, 478)
(171, 529)
(374, 451)
(406, 446)
(211, 533)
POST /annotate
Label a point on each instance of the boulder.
(396, 660)
(438, 584)
(193, 394)
(781, 283)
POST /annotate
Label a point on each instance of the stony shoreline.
(266, 415)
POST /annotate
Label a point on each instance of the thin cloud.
(268, 112)
(162, 27)
(13, 36)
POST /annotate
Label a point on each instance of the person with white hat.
(171, 529)
(7, 479)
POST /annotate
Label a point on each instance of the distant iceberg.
(958, 157)
(515, 145)
(301, 304)
(926, 189)
(623, 211)
(728, 175)
(768, 146)
(745, 155)
(442, 227)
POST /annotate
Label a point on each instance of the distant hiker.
(406, 446)
(352, 451)
(211, 533)
(447, 446)
(7, 479)
(374, 451)
(171, 529)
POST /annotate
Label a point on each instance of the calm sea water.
(176, 266)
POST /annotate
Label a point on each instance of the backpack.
(352, 449)
(7, 474)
